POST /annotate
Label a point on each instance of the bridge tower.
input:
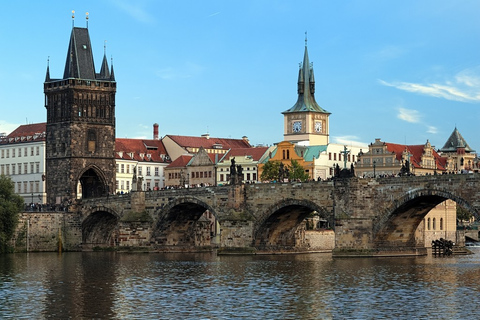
(306, 122)
(80, 143)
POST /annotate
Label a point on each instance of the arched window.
(428, 224)
(288, 154)
(441, 223)
(434, 224)
(284, 154)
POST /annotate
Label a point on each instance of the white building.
(22, 158)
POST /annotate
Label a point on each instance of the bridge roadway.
(368, 216)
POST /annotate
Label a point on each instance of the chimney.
(155, 131)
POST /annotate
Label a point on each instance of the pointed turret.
(79, 62)
(455, 142)
(306, 89)
(112, 74)
(47, 76)
(104, 70)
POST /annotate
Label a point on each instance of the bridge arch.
(280, 222)
(91, 182)
(185, 222)
(99, 227)
(397, 224)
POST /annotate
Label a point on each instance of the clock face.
(297, 126)
(318, 126)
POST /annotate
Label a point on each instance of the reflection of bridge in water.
(368, 216)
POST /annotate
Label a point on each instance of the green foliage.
(10, 205)
(463, 214)
(270, 171)
(297, 172)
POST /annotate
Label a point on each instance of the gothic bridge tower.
(80, 144)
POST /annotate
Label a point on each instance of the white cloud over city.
(464, 86)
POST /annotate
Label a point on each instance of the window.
(128, 185)
(31, 151)
(37, 151)
(37, 165)
(37, 186)
(32, 168)
(139, 170)
(25, 152)
(121, 185)
(434, 224)
(441, 223)
(13, 169)
(8, 153)
(25, 168)
(25, 185)
(118, 169)
(128, 168)
(221, 177)
(116, 185)
(334, 157)
(3, 153)
(148, 171)
(254, 176)
(13, 153)
(248, 176)
(122, 170)
(428, 224)
(156, 171)
(31, 186)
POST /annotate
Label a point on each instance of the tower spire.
(47, 76)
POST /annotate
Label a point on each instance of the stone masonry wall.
(52, 231)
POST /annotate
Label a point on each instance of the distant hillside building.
(22, 158)
(80, 142)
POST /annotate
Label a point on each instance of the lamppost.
(374, 164)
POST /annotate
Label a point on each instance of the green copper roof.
(306, 89)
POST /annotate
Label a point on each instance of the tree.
(270, 171)
(10, 205)
(463, 214)
(297, 172)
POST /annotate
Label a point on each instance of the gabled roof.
(454, 142)
(306, 89)
(141, 150)
(415, 152)
(209, 142)
(180, 162)
(256, 153)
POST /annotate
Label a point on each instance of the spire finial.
(48, 61)
(86, 14)
(104, 47)
(73, 18)
(305, 38)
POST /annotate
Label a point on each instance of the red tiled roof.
(26, 133)
(28, 130)
(209, 143)
(125, 148)
(416, 152)
(180, 162)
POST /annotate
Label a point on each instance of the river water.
(106, 285)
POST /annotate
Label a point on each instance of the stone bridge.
(368, 216)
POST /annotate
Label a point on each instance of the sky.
(403, 71)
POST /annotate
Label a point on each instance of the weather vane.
(86, 18)
(73, 18)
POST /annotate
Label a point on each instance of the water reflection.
(206, 286)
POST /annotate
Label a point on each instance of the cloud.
(432, 130)
(464, 87)
(7, 128)
(349, 141)
(409, 115)
(214, 14)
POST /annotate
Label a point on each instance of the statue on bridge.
(236, 173)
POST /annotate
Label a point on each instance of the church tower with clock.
(306, 122)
